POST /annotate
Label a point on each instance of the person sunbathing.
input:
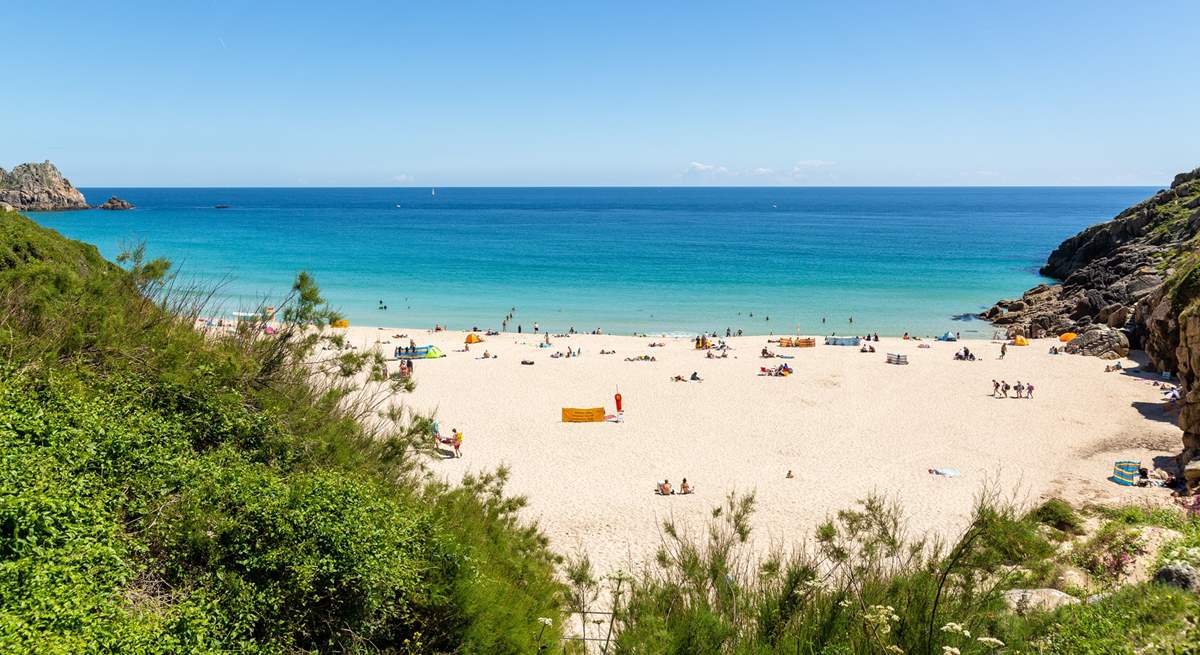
(678, 378)
(767, 354)
(686, 488)
(664, 488)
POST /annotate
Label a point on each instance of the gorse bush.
(166, 491)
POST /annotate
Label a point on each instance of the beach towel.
(577, 415)
(1125, 472)
(949, 473)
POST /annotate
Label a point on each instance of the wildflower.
(843, 603)
(544, 620)
(950, 650)
(990, 641)
(956, 628)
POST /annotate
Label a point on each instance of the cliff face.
(1133, 280)
(1109, 270)
(39, 187)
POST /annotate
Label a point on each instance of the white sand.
(846, 423)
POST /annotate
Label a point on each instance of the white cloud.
(801, 171)
(403, 178)
(697, 168)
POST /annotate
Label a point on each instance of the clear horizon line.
(634, 186)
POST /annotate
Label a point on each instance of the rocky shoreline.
(1132, 282)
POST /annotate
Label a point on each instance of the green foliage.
(165, 491)
(1059, 515)
(1146, 618)
(869, 587)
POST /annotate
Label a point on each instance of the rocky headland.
(1132, 282)
(39, 187)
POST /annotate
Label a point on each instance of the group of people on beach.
(965, 355)
(663, 488)
(1000, 389)
(455, 439)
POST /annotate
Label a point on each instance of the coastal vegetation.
(165, 490)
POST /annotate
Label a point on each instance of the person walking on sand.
(1004, 388)
(1020, 388)
(457, 439)
(1029, 391)
(995, 388)
(1003, 350)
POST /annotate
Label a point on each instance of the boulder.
(1100, 341)
(1042, 600)
(1191, 475)
(5, 207)
(1179, 574)
(115, 203)
(39, 187)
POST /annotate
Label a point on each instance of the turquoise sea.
(660, 260)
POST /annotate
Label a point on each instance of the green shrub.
(162, 491)
(1058, 515)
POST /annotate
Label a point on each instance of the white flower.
(956, 628)
(990, 641)
(950, 650)
(545, 620)
(843, 603)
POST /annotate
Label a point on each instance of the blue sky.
(603, 93)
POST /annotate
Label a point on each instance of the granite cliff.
(39, 187)
(1133, 281)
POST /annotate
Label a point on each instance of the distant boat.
(433, 192)
(220, 206)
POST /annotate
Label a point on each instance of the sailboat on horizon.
(433, 191)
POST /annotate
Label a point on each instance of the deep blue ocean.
(660, 260)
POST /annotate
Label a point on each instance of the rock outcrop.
(1109, 270)
(114, 204)
(39, 187)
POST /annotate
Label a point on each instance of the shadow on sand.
(1156, 412)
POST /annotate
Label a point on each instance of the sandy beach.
(846, 423)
